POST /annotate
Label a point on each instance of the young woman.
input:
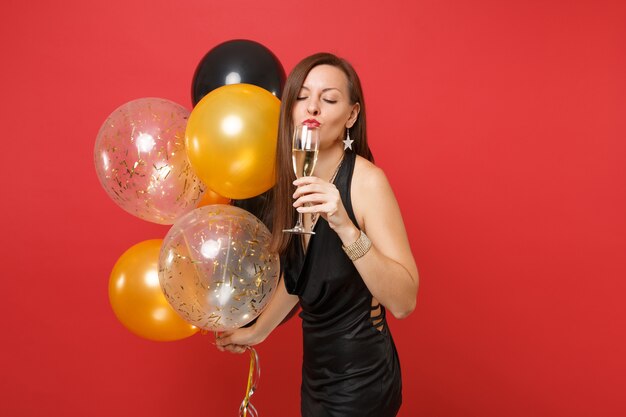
(356, 266)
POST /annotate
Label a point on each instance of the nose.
(313, 108)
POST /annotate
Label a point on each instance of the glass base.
(298, 231)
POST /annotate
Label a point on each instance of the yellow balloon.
(231, 140)
(137, 299)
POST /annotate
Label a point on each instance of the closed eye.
(330, 101)
(301, 98)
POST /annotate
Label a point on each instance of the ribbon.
(254, 375)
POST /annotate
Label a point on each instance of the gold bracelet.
(359, 248)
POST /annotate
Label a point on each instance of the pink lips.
(312, 123)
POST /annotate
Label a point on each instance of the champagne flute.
(304, 156)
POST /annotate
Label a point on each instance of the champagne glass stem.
(299, 223)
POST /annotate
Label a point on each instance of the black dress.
(350, 367)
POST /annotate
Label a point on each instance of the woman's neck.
(327, 161)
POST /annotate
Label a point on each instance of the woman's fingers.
(315, 188)
(234, 348)
(320, 208)
(317, 198)
(224, 342)
(314, 195)
(308, 180)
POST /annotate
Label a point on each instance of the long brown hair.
(284, 215)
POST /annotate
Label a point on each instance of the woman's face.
(324, 99)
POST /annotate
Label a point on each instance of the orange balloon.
(211, 197)
(231, 140)
(136, 297)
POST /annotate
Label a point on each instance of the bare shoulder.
(370, 189)
(367, 175)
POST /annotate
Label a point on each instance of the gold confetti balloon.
(215, 267)
(142, 163)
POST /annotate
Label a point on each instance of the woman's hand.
(323, 198)
(238, 340)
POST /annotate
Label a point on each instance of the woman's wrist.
(359, 248)
(349, 234)
(258, 331)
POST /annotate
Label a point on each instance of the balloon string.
(254, 375)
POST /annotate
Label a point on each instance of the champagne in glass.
(303, 161)
(304, 156)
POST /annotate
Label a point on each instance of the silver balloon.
(215, 267)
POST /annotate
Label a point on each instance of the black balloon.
(238, 61)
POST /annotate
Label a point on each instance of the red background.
(500, 125)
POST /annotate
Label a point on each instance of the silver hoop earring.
(347, 142)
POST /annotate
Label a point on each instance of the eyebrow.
(323, 91)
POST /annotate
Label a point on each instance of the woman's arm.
(279, 306)
(388, 268)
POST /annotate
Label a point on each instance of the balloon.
(231, 140)
(211, 197)
(137, 299)
(238, 61)
(141, 161)
(215, 267)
